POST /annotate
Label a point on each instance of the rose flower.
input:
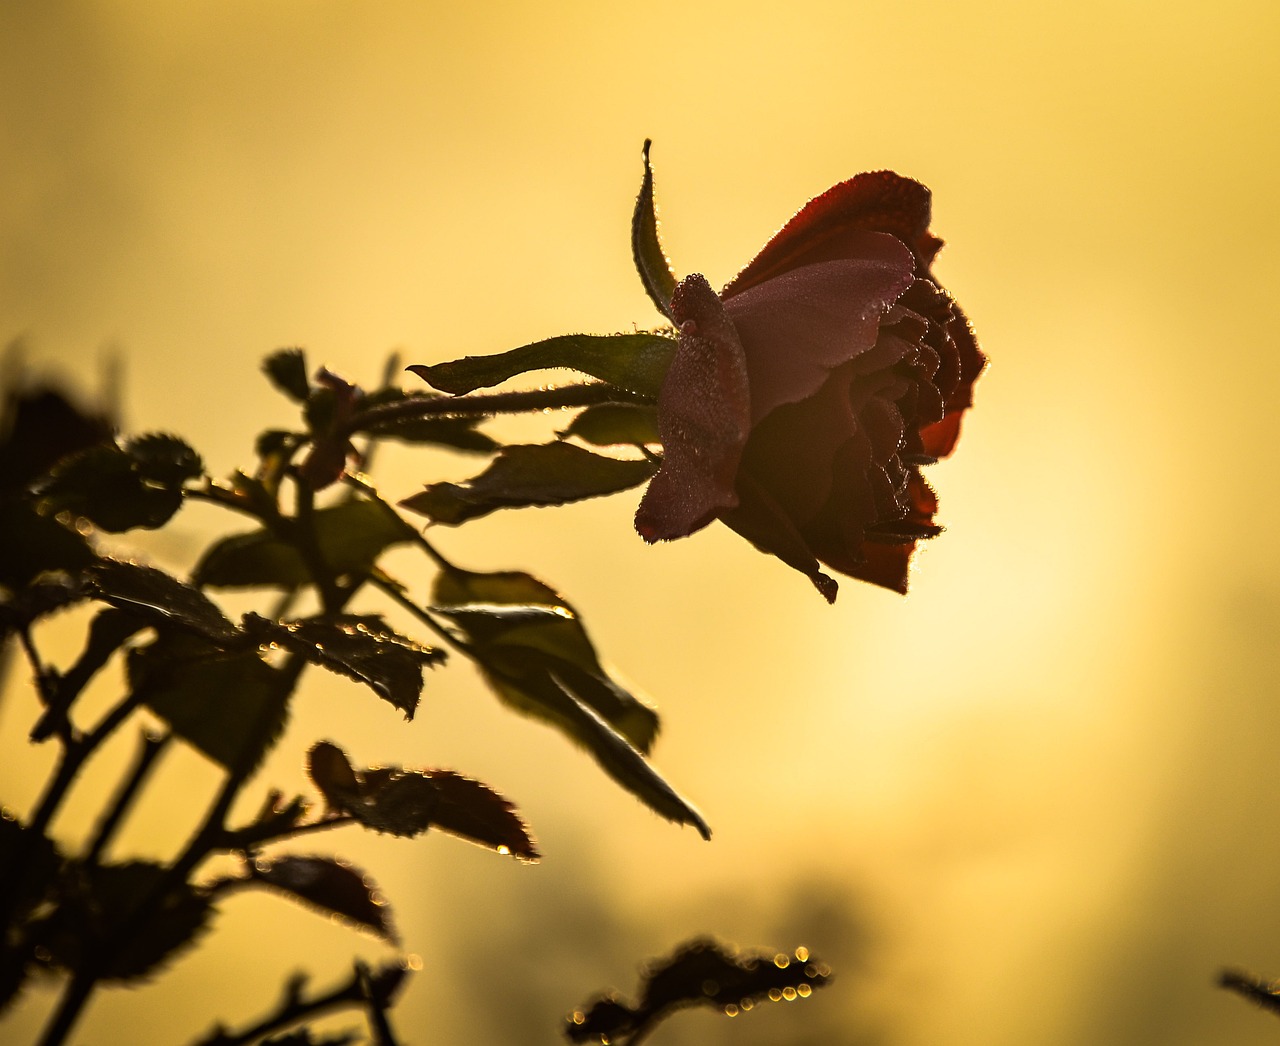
(803, 400)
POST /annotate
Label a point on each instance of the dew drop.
(802, 954)
(804, 991)
(774, 995)
(789, 993)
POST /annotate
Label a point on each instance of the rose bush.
(804, 398)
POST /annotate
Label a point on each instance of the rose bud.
(803, 400)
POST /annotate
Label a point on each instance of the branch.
(374, 990)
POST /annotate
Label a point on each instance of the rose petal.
(799, 327)
(827, 227)
(703, 419)
(939, 439)
(760, 520)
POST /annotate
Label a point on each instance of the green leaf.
(119, 488)
(360, 648)
(160, 599)
(635, 362)
(524, 632)
(286, 369)
(101, 905)
(651, 262)
(331, 885)
(614, 424)
(408, 802)
(351, 536)
(627, 766)
(530, 474)
(455, 432)
(230, 706)
(534, 652)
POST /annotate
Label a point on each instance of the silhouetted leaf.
(626, 765)
(330, 885)
(351, 536)
(29, 863)
(159, 599)
(230, 706)
(164, 460)
(360, 648)
(615, 424)
(651, 262)
(635, 362)
(112, 912)
(530, 474)
(408, 802)
(701, 972)
(33, 543)
(38, 428)
(455, 432)
(119, 488)
(524, 632)
(286, 369)
(43, 596)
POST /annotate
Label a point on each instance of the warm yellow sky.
(1029, 804)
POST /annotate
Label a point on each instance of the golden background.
(1032, 802)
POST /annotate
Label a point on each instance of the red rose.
(803, 400)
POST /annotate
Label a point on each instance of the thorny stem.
(361, 482)
(428, 405)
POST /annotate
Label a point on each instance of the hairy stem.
(430, 405)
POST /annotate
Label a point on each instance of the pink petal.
(827, 226)
(703, 419)
(797, 328)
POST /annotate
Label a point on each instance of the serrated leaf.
(407, 802)
(164, 459)
(528, 632)
(351, 536)
(475, 812)
(700, 972)
(530, 474)
(329, 884)
(104, 486)
(286, 369)
(646, 249)
(160, 599)
(635, 362)
(360, 648)
(115, 905)
(616, 424)
(456, 432)
(230, 706)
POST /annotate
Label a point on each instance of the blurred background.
(1033, 801)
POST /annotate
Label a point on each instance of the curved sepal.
(651, 263)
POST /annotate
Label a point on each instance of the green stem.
(470, 406)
